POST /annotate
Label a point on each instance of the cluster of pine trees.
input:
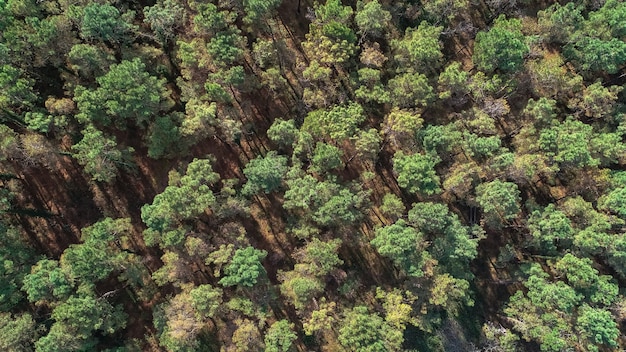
(267, 175)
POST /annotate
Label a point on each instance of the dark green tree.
(89, 60)
(245, 268)
(453, 245)
(86, 314)
(342, 208)
(265, 174)
(103, 22)
(100, 155)
(597, 327)
(559, 22)
(16, 258)
(416, 173)
(402, 244)
(47, 283)
(283, 132)
(543, 314)
(614, 201)
(597, 55)
(165, 216)
(164, 137)
(499, 200)
(410, 90)
(392, 206)
(503, 47)
(164, 18)
(319, 258)
(419, 49)
(18, 333)
(550, 227)
(256, 10)
(441, 139)
(568, 144)
(16, 90)
(326, 158)
(87, 263)
(226, 48)
(210, 20)
(126, 95)
(61, 337)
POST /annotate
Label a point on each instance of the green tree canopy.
(339, 209)
(597, 44)
(226, 48)
(560, 22)
(265, 174)
(330, 39)
(362, 331)
(543, 314)
(453, 83)
(164, 18)
(103, 22)
(319, 257)
(499, 200)
(582, 276)
(174, 205)
(256, 10)
(326, 157)
(502, 47)
(615, 202)
(557, 315)
(245, 268)
(403, 245)
(593, 54)
(88, 262)
(598, 327)
(416, 173)
(279, 336)
(165, 138)
(410, 90)
(338, 123)
(86, 314)
(126, 95)
(62, 337)
(18, 333)
(299, 287)
(16, 258)
(16, 90)
(419, 49)
(283, 132)
(453, 245)
(569, 144)
(370, 87)
(100, 155)
(371, 18)
(47, 283)
(90, 60)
